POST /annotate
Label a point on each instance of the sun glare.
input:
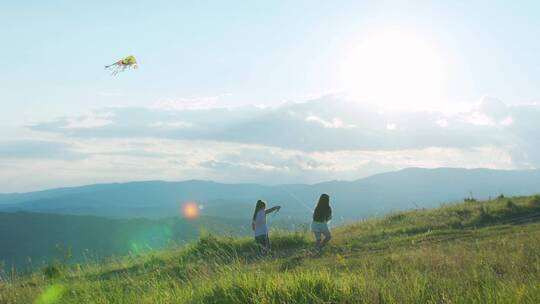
(394, 69)
(190, 210)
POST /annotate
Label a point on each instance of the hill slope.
(475, 252)
(356, 199)
(30, 239)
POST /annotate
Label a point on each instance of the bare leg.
(267, 245)
(263, 244)
(317, 241)
(327, 238)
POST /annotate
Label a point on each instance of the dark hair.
(260, 205)
(323, 212)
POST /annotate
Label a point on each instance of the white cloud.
(491, 112)
(38, 149)
(289, 143)
(293, 126)
(480, 119)
(507, 121)
(110, 160)
(493, 107)
(170, 124)
(89, 121)
(334, 123)
(197, 103)
(443, 123)
(391, 126)
(111, 93)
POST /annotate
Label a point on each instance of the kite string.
(297, 199)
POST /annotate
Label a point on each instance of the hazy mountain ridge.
(408, 188)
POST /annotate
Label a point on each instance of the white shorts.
(319, 229)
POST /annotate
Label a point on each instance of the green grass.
(473, 252)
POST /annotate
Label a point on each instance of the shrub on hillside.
(53, 270)
(212, 247)
(282, 240)
(225, 249)
(510, 205)
(396, 217)
(464, 213)
(485, 216)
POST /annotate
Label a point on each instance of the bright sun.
(394, 69)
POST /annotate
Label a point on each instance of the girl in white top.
(321, 216)
(259, 227)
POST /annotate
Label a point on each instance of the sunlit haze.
(271, 93)
(283, 151)
(395, 69)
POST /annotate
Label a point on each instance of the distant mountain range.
(408, 188)
(98, 221)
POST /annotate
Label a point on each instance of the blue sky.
(212, 71)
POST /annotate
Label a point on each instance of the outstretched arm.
(272, 209)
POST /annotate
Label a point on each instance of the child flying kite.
(123, 64)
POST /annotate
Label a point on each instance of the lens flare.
(51, 294)
(190, 210)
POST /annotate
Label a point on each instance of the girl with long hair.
(258, 224)
(321, 216)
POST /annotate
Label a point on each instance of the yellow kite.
(129, 62)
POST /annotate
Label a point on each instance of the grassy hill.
(28, 240)
(473, 252)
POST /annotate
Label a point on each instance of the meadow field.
(470, 252)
